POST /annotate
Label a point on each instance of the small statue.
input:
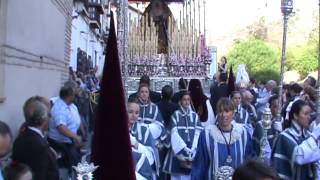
(242, 78)
(85, 170)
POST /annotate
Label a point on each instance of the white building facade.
(35, 37)
(89, 34)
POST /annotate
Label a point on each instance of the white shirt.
(36, 130)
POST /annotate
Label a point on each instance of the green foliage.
(261, 59)
(265, 75)
(304, 58)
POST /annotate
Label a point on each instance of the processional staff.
(199, 13)
(204, 18)
(194, 28)
(286, 8)
(318, 100)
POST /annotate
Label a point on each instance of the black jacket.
(167, 109)
(176, 97)
(33, 150)
(217, 92)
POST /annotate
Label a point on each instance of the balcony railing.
(94, 16)
(99, 4)
(81, 6)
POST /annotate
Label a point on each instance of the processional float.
(166, 47)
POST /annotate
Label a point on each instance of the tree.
(260, 58)
(258, 30)
(303, 58)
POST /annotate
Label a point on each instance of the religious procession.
(135, 90)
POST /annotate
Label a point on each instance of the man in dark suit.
(31, 147)
(219, 91)
(155, 97)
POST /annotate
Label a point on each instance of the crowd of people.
(183, 135)
(188, 136)
(52, 139)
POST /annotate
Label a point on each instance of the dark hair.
(198, 98)
(66, 91)
(296, 88)
(233, 93)
(145, 80)
(254, 170)
(183, 83)
(253, 81)
(15, 170)
(223, 77)
(133, 100)
(167, 92)
(36, 111)
(183, 93)
(143, 85)
(4, 129)
(272, 99)
(296, 109)
(225, 59)
(311, 92)
(225, 104)
(286, 86)
(313, 81)
(264, 82)
(275, 90)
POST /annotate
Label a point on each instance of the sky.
(224, 17)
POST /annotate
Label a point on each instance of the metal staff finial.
(266, 125)
(224, 173)
(84, 170)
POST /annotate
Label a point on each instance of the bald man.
(247, 99)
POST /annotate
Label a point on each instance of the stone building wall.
(35, 40)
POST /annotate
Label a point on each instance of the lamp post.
(318, 100)
(286, 9)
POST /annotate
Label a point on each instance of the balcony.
(94, 16)
(98, 4)
(81, 7)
